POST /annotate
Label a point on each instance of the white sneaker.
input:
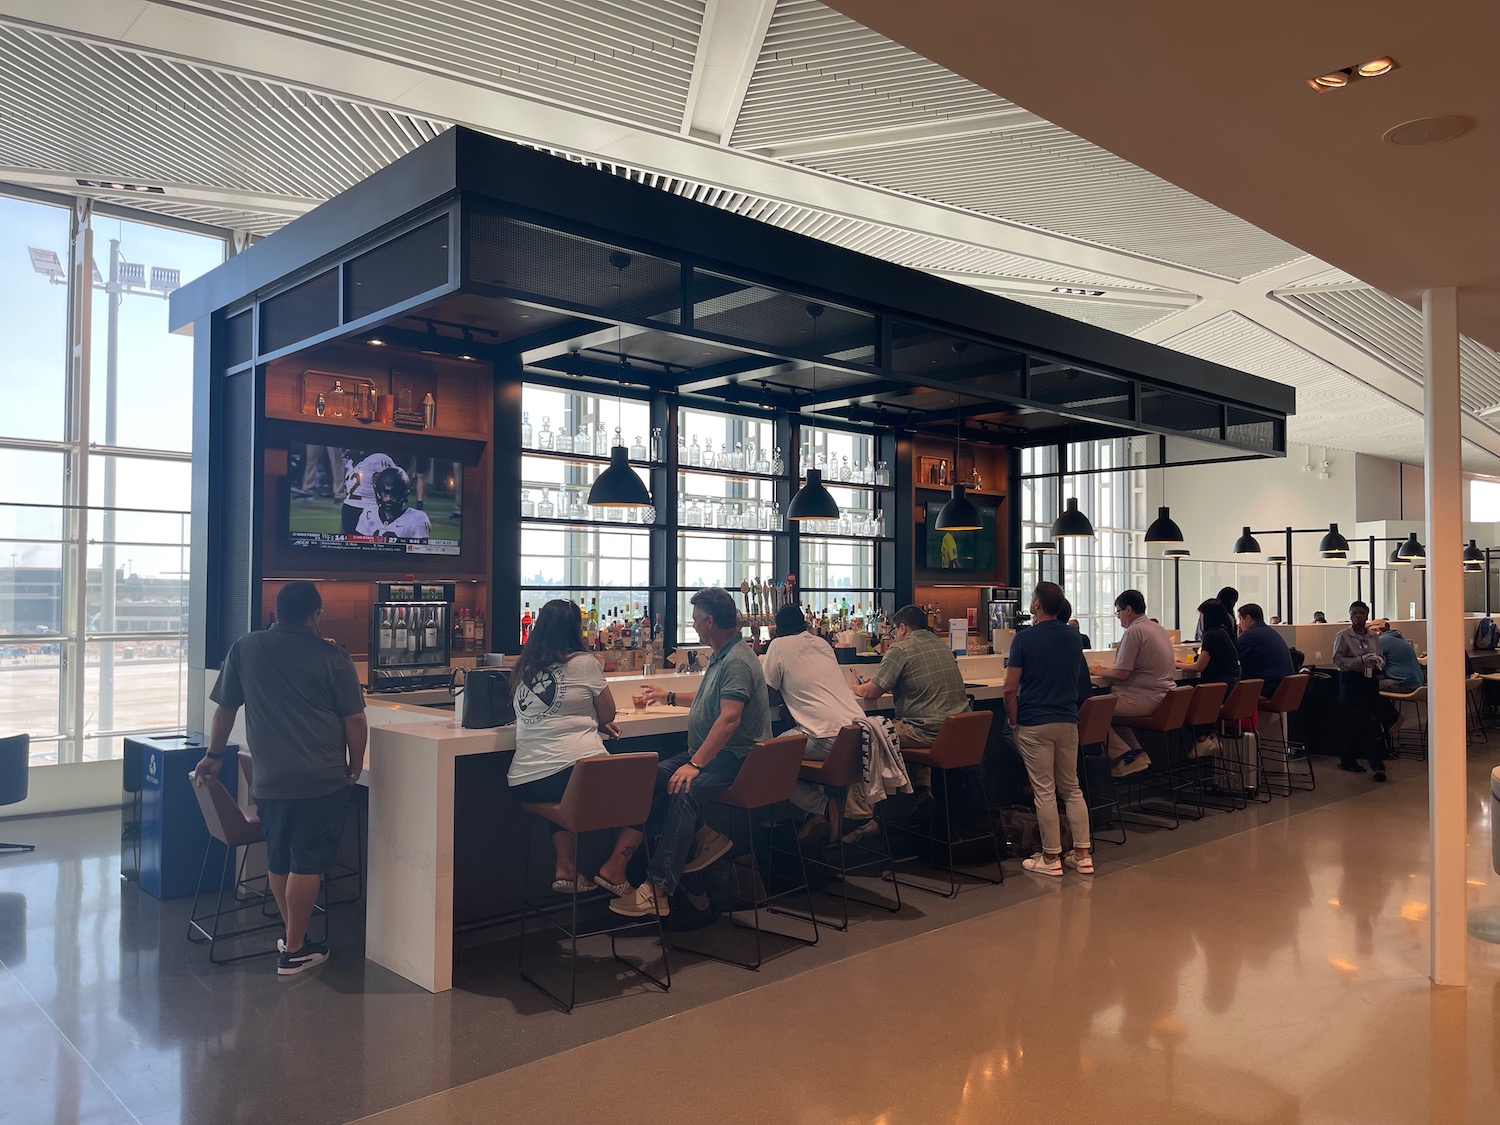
(1134, 762)
(1083, 864)
(1040, 864)
(1205, 747)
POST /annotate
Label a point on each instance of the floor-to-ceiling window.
(93, 564)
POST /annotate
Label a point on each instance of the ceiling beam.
(202, 195)
(729, 44)
(1011, 120)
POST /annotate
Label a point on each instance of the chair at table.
(765, 782)
(1278, 753)
(841, 769)
(1401, 742)
(1168, 721)
(1197, 771)
(231, 829)
(1239, 767)
(15, 762)
(959, 744)
(604, 794)
(1097, 783)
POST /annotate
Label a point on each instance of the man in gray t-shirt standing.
(305, 726)
(730, 713)
(1142, 674)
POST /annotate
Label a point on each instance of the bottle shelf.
(735, 474)
(841, 536)
(352, 425)
(565, 522)
(582, 458)
(689, 529)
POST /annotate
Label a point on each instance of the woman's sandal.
(619, 890)
(583, 886)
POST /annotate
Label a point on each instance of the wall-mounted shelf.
(337, 427)
(562, 522)
(582, 458)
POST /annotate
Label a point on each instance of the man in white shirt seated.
(816, 692)
(1142, 674)
(390, 518)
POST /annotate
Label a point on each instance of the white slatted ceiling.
(1105, 314)
(1047, 178)
(109, 114)
(629, 59)
(1330, 276)
(822, 74)
(1391, 330)
(254, 222)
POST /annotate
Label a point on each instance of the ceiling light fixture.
(618, 486)
(1246, 544)
(959, 513)
(1347, 75)
(813, 501)
(1042, 546)
(375, 342)
(1072, 524)
(1473, 558)
(1333, 545)
(1376, 67)
(1395, 559)
(1412, 551)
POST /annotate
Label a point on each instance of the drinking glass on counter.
(638, 701)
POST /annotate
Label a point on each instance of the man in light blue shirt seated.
(1402, 672)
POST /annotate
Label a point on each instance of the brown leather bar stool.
(229, 826)
(1167, 721)
(1094, 716)
(604, 794)
(1237, 711)
(341, 872)
(766, 781)
(1200, 771)
(1280, 751)
(1401, 743)
(841, 769)
(959, 744)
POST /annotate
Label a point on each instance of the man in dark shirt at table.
(1044, 682)
(1264, 655)
(306, 730)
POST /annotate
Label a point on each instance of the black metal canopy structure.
(472, 245)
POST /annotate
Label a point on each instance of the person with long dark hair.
(1217, 662)
(563, 706)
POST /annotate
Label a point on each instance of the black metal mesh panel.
(1068, 388)
(300, 312)
(231, 523)
(570, 272)
(919, 351)
(1255, 430)
(1182, 449)
(1183, 413)
(239, 338)
(781, 322)
(403, 267)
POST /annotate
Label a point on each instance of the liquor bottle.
(762, 462)
(695, 452)
(544, 510)
(725, 461)
(320, 405)
(387, 634)
(656, 443)
(336, 398)
(399, 635)
(943, 471)
(526, 624)
(544, 439)
(528, 508)
(883, 475)
(844, 471)
(682, 450)
(468, 631)
(525, 429)
(694, 515)
(581, 442)
(430, 631)
(563, 443)
(776, 524)
(456, 643)
(478, 632)
(778, 463)
(601, 440)
(593, 615)
(739, 455)
(637, 449)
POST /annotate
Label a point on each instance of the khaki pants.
(1121, 742)
(911, 738)
(1050, 752)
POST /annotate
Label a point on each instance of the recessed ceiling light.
(1376, 67)
(115, 185)
(1331, 81)
(1078, 292)
(375, 342)
(467, 357)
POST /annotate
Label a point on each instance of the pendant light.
(618, 486)
(1333, 545)
(1072, 524)
(1411, 551)
(1164, 528)
(813, 501)
(1473, 558)
(1246, 544)
(959, 513)
(1042, 546)
(1395, 558)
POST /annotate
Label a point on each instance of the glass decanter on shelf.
(845, 527)
(725, 461)
(883, 475)
(545, 510)
(637, 449)
(682, 450)
(544, 439)
(867, 474)
(694, 514)
(820, 461)
(778, 463)
(776, 524)
(581, 441)
(739, 456)
(528, 509)
(655, 445)
(601, 440)
(562, 443)
(525, 429)
(763, 516)
(695, 452)
(577, 509)
(844, 471)
(762, 462)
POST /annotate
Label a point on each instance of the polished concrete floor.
(1261, 966)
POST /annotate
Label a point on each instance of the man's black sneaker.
(310, 956)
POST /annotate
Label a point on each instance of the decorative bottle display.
(695, 452)
(778, 463)
(528, 508)
(762, 463)
(545, 510)
(544, 439)
(637, 449)
(525, 429)
(656, 443)
(883, 475)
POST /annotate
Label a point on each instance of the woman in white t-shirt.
(562, 707)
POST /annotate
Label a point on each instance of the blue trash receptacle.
(170, 833)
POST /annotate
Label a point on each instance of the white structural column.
(1446, 731)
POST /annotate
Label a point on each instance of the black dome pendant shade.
(959, 513)
(1072, 524)
(813, 501)
(1395, 558)
(618, 486)
(1246, 544)
(1333, 545)
(1411, 550)
(1164, 528)
(1473, 557)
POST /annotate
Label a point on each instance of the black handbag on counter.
(487, 698)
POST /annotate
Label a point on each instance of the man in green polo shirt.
(731, 712)
(922, 675)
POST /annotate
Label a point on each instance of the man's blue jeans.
(681, 814)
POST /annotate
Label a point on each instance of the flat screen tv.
(960, 550)
(372, 501)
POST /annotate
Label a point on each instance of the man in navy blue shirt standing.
(1043, 684)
